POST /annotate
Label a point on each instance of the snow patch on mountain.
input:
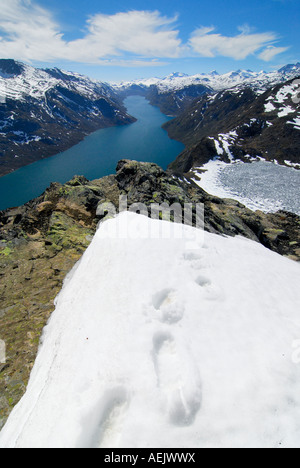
(281, 101)
(24, 139)
(284, 111)
(296, 123)
(152, 344)
(269, 107)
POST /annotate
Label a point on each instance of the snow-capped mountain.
(153, 345)
(240, 124)
(43, 112)
(177, 91)
(24, 81)
(177, 81)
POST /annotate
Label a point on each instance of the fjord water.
(97, 155)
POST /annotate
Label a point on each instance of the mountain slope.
(47, 111)
(239, 124)
(179, 357)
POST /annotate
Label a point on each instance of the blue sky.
(112, 42)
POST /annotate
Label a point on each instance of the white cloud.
(205, 42)
(142, 33)
(30, 33)
(271, 52)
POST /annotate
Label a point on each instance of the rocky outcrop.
(41, 241)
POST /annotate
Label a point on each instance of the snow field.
(154, 344)
(249, 186)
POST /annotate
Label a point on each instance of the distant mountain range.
(239, 115)
(44, 112)
(215, 81)
(175, 93)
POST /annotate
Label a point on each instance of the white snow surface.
(167, 343)
(254, 198)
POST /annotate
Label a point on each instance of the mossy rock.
(6, 252)
(64, 232)
(274, 234)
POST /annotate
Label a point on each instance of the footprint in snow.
(178, 380)
(195, 259)
(192, 256)
(202, 281)
(170, 309)
(105, 422)
(211, 291)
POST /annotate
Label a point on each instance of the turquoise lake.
(97, 155)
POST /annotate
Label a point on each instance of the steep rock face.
(44, 112)
(240, 125)
(41, 241)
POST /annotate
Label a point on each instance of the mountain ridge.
(176, 92)
(215, 81)
(240, 125)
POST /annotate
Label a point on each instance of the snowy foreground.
(177, 343)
